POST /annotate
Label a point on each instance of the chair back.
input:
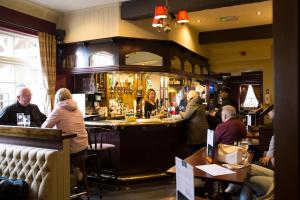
(99, 138)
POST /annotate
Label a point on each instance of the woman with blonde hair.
(150, 104)
(67, 117)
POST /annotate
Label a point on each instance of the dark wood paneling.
(132, 10)
(286, 123)
(120, 47)
(25, 23)
(238, 34)
(146, 149)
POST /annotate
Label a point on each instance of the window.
(250, 100)
(20, 66)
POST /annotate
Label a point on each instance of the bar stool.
(78, 171)
(100, 149)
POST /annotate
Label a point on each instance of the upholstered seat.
(37, 166)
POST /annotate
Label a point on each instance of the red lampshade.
(182, 17)
(160, 12)
(156, 23)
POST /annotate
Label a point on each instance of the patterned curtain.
(47, 44)
(258, 93)
(244, 90)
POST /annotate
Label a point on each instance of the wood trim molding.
(238, 34)
(24, 23)
(133, 10)
(31, 136)
(286, 122)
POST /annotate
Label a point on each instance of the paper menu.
(210, 144)
(184, 180)
(215, 170)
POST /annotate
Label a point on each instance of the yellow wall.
(91, 23)
(227, 57)
(140, 29)
(187, 37)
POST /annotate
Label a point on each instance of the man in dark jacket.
(8, 115)
(215, 118)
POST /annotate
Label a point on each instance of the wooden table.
(199, 158)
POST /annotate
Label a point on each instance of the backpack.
(13, 189)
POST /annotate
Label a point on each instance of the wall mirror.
(197, 69)
(143, 58)
(176, 63)
(101, 58)
(188, 67)
(205, 71)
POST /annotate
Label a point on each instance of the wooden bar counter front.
(144, 148)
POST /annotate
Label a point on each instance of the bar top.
(138, 122)
(33, 136)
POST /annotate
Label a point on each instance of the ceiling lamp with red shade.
(162, 19)
(182, 17)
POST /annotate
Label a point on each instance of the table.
(199, 158)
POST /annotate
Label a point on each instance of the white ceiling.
(71, 5)
(245, 13)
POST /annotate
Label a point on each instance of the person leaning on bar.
(8, 115)
(196, 121)
(67, 117)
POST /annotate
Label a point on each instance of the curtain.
(257, 92)
(47, 44)
(244, 90)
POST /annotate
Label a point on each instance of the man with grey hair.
(231, 129)
(8, 115)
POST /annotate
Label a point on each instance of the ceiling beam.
(238, 34)
(140, 9)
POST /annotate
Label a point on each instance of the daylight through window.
(20, 66)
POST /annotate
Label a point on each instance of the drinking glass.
(244, 143)
(20, 119)
(26, 120)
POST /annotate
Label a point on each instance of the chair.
(100, 149)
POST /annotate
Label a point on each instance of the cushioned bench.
(39, 167)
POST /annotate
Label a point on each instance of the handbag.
(230, 154)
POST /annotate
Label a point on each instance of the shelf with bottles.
(176, 82)
(120, 83)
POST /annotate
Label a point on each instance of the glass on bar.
(26, 120)
(20, 119)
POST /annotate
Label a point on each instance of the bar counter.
(143, 148)
(138, 122)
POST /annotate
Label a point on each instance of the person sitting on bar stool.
(67, 117)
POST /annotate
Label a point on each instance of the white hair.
(20, 90)
(229, 111)
(191, 94)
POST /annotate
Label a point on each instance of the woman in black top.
(149, 103)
